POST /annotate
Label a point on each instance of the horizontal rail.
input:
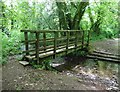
(50, 53)
(39, 31)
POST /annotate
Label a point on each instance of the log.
(103, 58)
(107, 53)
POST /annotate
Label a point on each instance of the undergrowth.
(10, 45)
(45, 65)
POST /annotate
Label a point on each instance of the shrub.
(10, 45)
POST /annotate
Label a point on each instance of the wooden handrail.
(39, 31)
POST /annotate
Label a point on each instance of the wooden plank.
(30, 41)
(24, 63)
(39, 31)
(67, 43)
(27, 51)
(88, 38)
(62, 38)
(40, 49)
(30, 57)
(50, 47)
(46, 54)
(37, 47)
(76, 41)
(83, 38)
(34, 41)
(61, 44)
(44, 40)
(106, 56)
(55, 44)
(103, 58)
(107, 53)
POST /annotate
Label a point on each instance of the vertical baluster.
(76, 41)
(37, 47)
(83, 38)
(88, 38)
(55, 44)
(44, 40)
(67, 43)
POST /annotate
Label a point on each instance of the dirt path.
(18, 77)
(108, 45)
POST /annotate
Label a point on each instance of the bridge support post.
(26, 42)
(55, 44)
(44, 39)
(37, 47)
(76, 42)
(88, 38)
(83, 39)
(67, 43)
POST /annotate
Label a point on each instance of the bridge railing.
(60, 41)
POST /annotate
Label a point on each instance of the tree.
(65, 19)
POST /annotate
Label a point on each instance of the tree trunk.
(95, 26)
(79, 13)
(66, 22)
(12, 20)
(3, 17)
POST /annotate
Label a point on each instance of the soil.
(18, 77)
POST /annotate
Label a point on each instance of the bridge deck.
(49, 53)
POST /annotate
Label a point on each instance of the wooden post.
(44, 40)
(37, 47)
(83, 39)
(26, 42)
(55, 43)
(76, 41)
(67, 43)
(88, 38)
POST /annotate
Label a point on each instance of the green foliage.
(44, 65)
(10, 45)
(17, 15)
(82, 53)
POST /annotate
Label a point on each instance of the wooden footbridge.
(44, 43)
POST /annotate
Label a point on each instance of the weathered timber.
(52, 52)
(67, 42)
(88, 40)
(83, 38)
(107, 53)
(106, 56)
(26, 44)
(55, 43)
(44, 40)
(103, 58)
(48, 31)
(76, 41)
(37, 47)
(24, 63)
(60, 43)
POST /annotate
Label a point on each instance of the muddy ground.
(18, 77)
